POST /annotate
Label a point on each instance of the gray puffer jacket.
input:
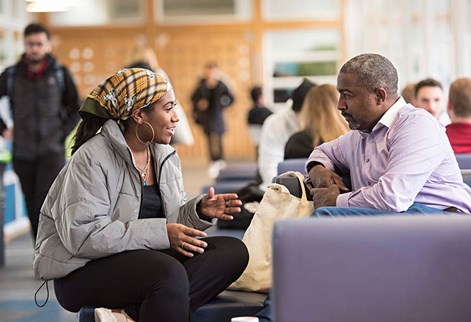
(92, 208)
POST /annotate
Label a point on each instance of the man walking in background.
(210, 98)
(44, 103)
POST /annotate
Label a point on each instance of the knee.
(232, 251)
(322, 212)
(171, 273)
(170, 280)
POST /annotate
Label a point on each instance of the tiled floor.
(18, 285)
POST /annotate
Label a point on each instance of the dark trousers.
(150, 285)
(215, 146)
(36, 177)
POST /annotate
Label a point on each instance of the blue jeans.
(266, 314)
(415, 209)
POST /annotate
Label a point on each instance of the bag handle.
(300, 177)
(303, 187)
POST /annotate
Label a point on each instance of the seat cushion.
(226, 305)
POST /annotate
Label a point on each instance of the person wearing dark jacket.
(257, 114)
(44, 103)
(210, 98)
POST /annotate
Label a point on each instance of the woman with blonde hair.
(323, 122)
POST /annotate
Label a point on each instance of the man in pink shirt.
(459, 110)
(398, 157)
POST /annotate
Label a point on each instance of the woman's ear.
(137, 116)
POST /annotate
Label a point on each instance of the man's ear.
(381, 95)
(449, 107)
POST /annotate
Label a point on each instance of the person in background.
(276, 131)
(408, 92)
(323, 122)
(44, 103)
(459, 110)
(399, 158)
(210, 98)
(257, 114)
(116, 230)
(428, 94)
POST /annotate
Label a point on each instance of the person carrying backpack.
(44, 103)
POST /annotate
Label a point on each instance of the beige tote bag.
(277, 203)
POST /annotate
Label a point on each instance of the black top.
(258, 114)
(151, 203)
(299, 145)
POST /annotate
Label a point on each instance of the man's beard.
(35, 59)
(352, 123)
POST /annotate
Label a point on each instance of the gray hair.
(373, 71)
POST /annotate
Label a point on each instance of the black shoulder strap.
(58, 75)
(10, 79)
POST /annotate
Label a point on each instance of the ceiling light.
(49, 5)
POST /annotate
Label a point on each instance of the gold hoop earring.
(153, 134)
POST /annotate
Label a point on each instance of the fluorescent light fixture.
(49, 5)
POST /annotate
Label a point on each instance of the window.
(424, 38)
(300, 9)
(202, 11)
(294, 54)
(105, 12)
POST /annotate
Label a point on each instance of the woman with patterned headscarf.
(116, 230)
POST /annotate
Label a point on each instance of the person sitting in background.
(276, 131)
(428, 94)
(408, 93)
(459, 110)
(257, 114)
(398, 157)
(116, 229)
(323, 122)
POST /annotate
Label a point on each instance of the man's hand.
(325, 196)
(8, 134)
(321, 177)
(202, 104)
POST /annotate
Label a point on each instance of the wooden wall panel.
(95, 55)
(183, 57)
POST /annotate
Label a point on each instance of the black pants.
(215, 146)
(36, 177)
(162, 286)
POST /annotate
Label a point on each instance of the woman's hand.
(220, 206)
(182, 239)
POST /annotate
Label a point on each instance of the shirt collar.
(388, 117)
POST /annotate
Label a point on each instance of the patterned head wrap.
(119, 95)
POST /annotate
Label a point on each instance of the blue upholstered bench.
(238, 172)
(227, 305)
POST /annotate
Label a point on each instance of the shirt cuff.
(342, 199)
